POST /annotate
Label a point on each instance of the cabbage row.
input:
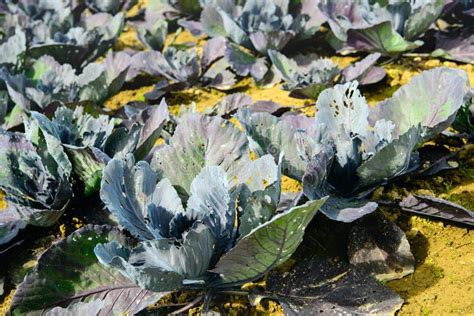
(194, 201)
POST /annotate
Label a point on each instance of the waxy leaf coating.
(266, 246)
(69, 277)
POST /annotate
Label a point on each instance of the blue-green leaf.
(266, 246)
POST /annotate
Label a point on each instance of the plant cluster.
(194, 201)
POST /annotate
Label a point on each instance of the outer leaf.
(13, 48)
(16, 87)
(381, 38)
(244, 63)
(200, 141)
(163, 264)
(392, 160)
(381, 248)
(108, 27)
(438, 208)
(122, 184)
(316, 18)
(219, 76)
(10, 224)
(343, 109)
(315, 182)
(422, 17)
(130, 191)
(231, 103)
(342, 116)
(259, 174)
(123, 141)
(465, 119)
(80, 308)
(152, 33)
(212, 22)
(425, 100)
(212, 51)
(306, 75)
(88, 164)
(93, 83)
(363, 71)
(145, 62)
(62, 52)
(16, 216)
(267, 246)
(270, 107)
(109, 6)
(152, 119)
(458, 47)
(287, 68)
(3, 106)
(232, 29)
(69, 273)
(188, 7)
(274, 136)
(116, 66)
(347, 210)
(317, 286)
(264, 41)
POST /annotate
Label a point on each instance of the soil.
(443, 281)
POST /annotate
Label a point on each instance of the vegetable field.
(236, 157)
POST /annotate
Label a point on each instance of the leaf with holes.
(200, 141)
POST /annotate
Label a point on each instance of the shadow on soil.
(426, 274)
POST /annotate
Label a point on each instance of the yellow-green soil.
(443, 281)
(6, 300)
(3, 203)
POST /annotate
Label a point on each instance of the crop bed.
(236, 157)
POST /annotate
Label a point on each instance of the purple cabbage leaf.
(35, 179)
(194, 247)
(348, 148)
